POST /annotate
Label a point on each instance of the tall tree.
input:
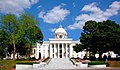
(31, 33)
(10, 26)
(21, 32)
(100, 37)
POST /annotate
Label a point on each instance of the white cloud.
(76, 25)
(53, 29)
(113, 9)
(95, 13)
(39, 6)
(54, 15)
(92, 8)
(15, 6)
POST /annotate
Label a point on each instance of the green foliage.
(100, 37)
(97, 63)
(30, 33)
(2, 52)
(10, 26)
(77, 48)
(26, 62)
(18, 34)
(2, 44)
(7, 64)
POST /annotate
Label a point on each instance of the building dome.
(60, 30)
(60, 33)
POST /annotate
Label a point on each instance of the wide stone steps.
(60, 63)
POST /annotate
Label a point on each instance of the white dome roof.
(60, 30)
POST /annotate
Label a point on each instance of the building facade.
(58, 47)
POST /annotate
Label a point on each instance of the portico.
(59, 50)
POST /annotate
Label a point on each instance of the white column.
(50, 50)
(70, 49)
(37, 51)
(58, 51)
(66, 50)
(62, 51)
(54, 51)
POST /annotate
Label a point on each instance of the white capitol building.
(59, 47)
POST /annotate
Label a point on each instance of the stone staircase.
(60, 63)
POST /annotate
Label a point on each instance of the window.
(60, 36)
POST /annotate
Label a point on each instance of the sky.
(71, 14)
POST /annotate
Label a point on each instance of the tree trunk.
(29, 49)
(14, 49)
(100, 55)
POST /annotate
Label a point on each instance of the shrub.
(33, 58)
(26, 62)
(97, 63)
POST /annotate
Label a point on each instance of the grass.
(10, 64)
(114, 63)
(7, 64)
(97, 63)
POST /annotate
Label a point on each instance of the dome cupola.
(60, 30)
(60, 33)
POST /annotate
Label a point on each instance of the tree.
(10, 26)
(31, 33)
(2, 44)
(77, 48)
(21, 32)
(100, 37)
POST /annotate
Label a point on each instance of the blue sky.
(71, 14)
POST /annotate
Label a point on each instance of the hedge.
(97, 63)
(26, 62)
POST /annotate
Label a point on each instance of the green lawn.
(7, 64)
(10, 64)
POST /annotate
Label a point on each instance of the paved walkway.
(58, 63)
